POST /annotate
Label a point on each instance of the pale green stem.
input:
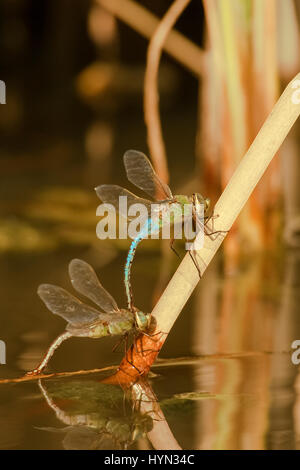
(231, 202)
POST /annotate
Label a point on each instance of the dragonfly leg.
(150, 350)
(120, 341)
(195, 263)
(149, 335)
(131, 363)
(126, 354)
(56, 343)
(173, 249)
(155, 334)
(212, 217)
(217, 232)
(136, 337)
(146, 350)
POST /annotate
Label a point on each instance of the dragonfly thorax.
(142, 320)
(195, 201)
(182, 199)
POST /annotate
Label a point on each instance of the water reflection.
(284, 406)
(101, 416)
(236, 387)
(251, 313)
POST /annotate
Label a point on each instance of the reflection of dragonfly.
(141, 173)
(98, 416)
(82, 319)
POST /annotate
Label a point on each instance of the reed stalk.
(145, 23)
(246, 176)
(151, 96)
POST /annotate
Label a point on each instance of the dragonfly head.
(197, 198)
(142, 320)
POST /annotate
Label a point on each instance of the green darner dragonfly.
(84, 320)
(141, 173)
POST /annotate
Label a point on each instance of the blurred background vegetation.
(74, 72)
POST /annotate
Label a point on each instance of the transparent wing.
(141, 173)
(110, 193)
(86, 282)
(61, 303)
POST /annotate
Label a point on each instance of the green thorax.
(121, 322)
(196, 199)
(109, 324)
(182, 199)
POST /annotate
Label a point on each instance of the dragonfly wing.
(61, 303)
(140, 172)
(86, 282)
(110, 194)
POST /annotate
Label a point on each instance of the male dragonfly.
(84, 320)
(141, 173)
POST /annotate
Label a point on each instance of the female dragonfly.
(84, 320)
(141, 173)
